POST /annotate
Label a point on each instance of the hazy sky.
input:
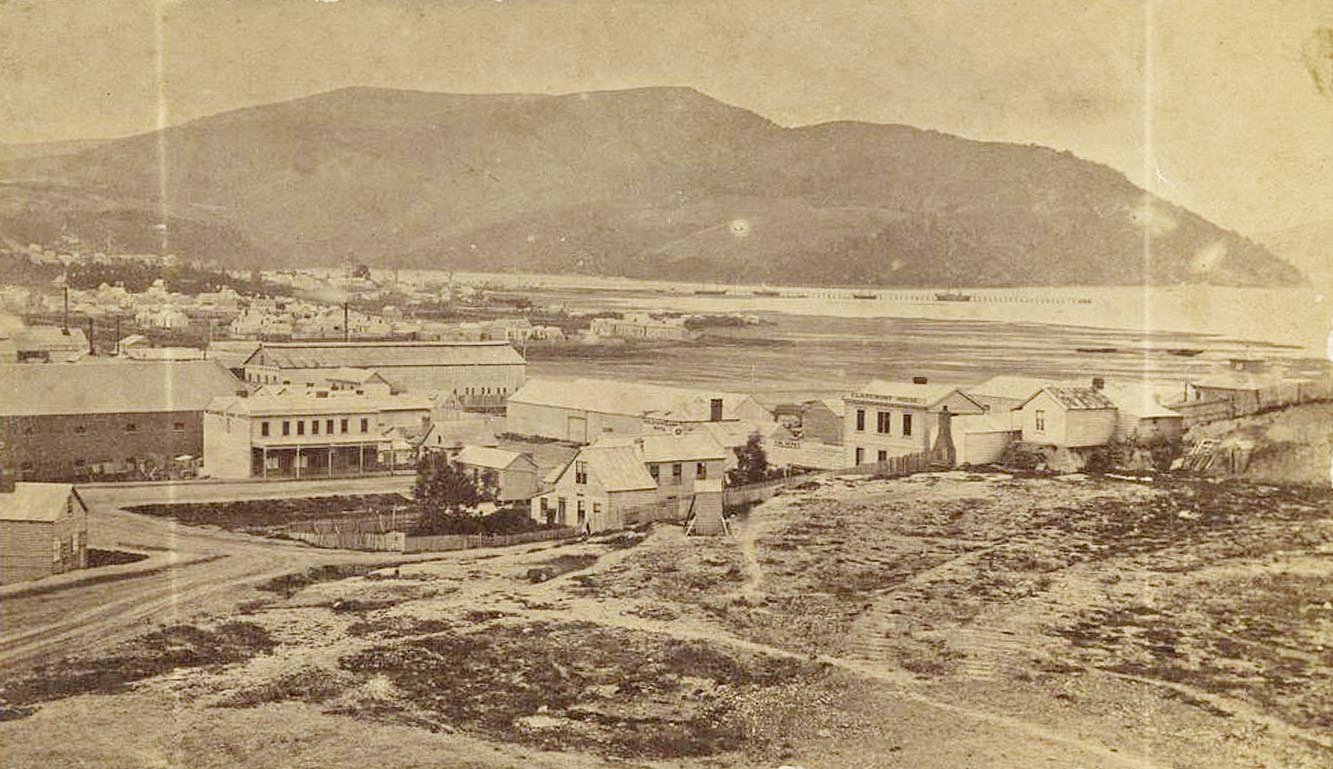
(1213, 104)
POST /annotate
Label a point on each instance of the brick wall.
(69, 447)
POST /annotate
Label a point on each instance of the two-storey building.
(309, 433)
(888, 419)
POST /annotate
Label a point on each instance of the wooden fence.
(662, 510)
(401, 542)
(443, 542)
(905, 464)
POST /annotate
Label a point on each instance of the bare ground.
(941, 620)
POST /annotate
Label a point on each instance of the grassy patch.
(577, 686)
(267, 515)
(289, 585)
(150, 655)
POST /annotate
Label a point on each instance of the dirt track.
(909, 671)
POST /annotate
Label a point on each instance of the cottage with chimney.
(1069, 416)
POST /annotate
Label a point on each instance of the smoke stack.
(715, 410)
(65, 327)
(92, 346)
(919, 380)
(1098, 383)
(347, 330)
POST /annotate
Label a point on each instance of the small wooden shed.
(43, 531)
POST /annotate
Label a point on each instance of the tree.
(443, 489)
(751, 461)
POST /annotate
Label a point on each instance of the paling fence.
(387, 531)
(904, 464)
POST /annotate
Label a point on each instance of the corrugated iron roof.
(606, 396)
(112, 387)
(1077, 398)
(616, 468)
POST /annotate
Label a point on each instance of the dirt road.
(190, 572)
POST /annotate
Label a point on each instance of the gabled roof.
(608, 396)
(36, 338)
(37, 501)
(666, 447)
(928, 395)
(1008, 386)
(1075, 398)
(616, 468)
(376, 355)
(291, 401)
(1138, 399)
(483, 456)
(354, 375)
(737, 432)
(112, 387)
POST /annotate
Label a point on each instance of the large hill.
(656, 182)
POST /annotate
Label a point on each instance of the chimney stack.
(66, 324)
(920, 380)
(347, 330)
(92, 346)
(1098, 383)
(715, 410)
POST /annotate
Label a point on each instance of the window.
(314, 427)
(675, 474)
(882, 456)
(582, 513)
(860, 456)
(596, 509)
(860, 420)
(907, 424)
(27, 430)
(342, 425)
(263, 429)
(1040, 417)
(286, 427)
(25, 466)
(131, 428)
(700, 471)
(365, 425)
(654, 471)
(581, 473)
(80, 429)
(328, 426)
(300, 427)
(179, 426)
(78, 462)
(884, 422)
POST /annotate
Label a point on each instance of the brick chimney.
(920, 380)
(715, 410)
(1098, 383)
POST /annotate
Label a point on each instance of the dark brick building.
(104, 419)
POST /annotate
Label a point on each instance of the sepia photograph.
(666, 384)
